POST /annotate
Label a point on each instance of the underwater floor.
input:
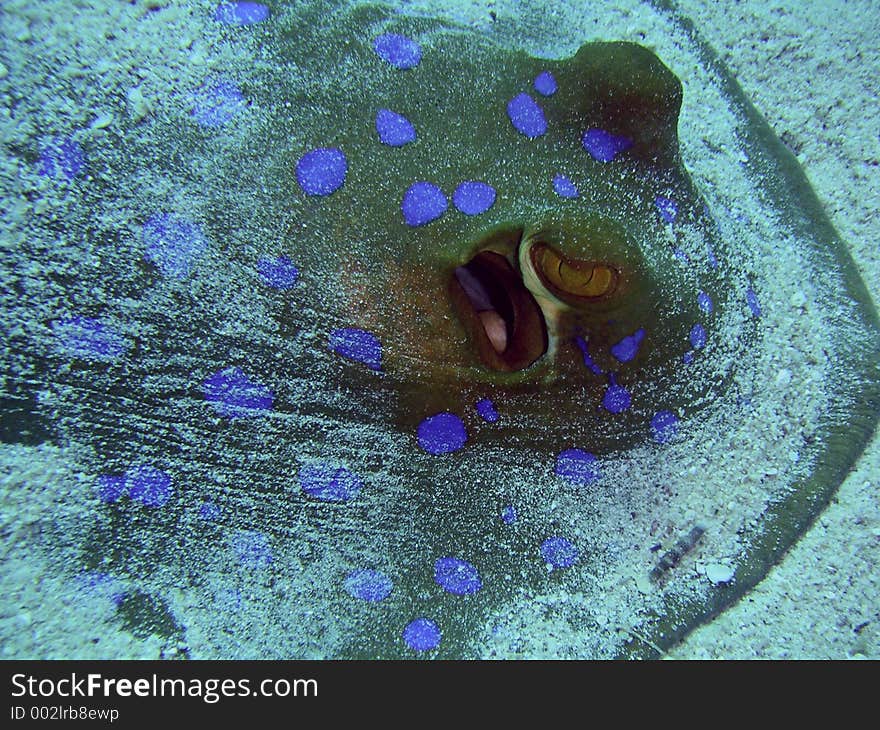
(147, 514)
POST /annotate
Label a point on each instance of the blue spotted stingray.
(424, 368)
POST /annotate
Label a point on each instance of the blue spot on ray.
(486, 410)
(664, 426)
(359, 345)
(705, 302)
(241, 13)
(667, 208)
(628, 347)
(173, 244)
(216, 103)
(508, 515)
(697, 336)
(251, 549)
(422, 203)
(442, 434)
(604, 146)
(329, 482)
(234, 395)
(526, 116)
(398, 50)
(473, 197)
(368, 585)
(148, 485)
(61, 157)
(457, 576)
(422, 634)
(617, 399)
(110, 488)
(577, 467)
(394, 129)
(545, 84)
(208, 511)
(752, 301)
(588, 359)
(278, 272)
(89, 339)
(559, 552)
(564, 187)
(321, 171)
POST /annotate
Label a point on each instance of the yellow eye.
(572, 280)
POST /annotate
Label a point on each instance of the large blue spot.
(442, 434)
(110, 488)
(278, 273)
(422, 634)
(359, 345)
(577, 467)
(526, 116)
(705, 302)
(697, 336)
(545, 84)
(61, 157)
(216, 102)
(329, 482)
(486, 409)
(752, 301)
(559, 552)
(398, 50)
(368, 585)
(473, 197)
(241, 13)
(173, 244)
(422, 203)
(664, 426)
(89, 339)
(667, 208)
(321, 171)
(564, 187)
(457, 576)
(628, 347)
(251, 548)
(394, 129)
(617, 399)
(234, 395)
(148, 485)
(604, 146)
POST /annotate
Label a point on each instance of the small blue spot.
(241, 13)
(329, 482)
(564, 187)
(617, 399)
(216, 102)
(508, 515)
(398, 50)
(422, 634)
(628, 347)
(680, 255)
(526, 116)
(457, 576)
(359, 345)
(697, 336)
(688, 357)
(559, 552)
(604, 146)
(545, 84)
(664, 426)
(588, 359)
(61, 157)
(486, 410)
(577, 467)
(234, 395)
(252, 549)
(473, 197)
(173, 244)
(278, 272)
(752, 301)
(89, 339)
(710, 254)
(368, 585)
(209, 511)
(321, 171)
(148, 485)
(668, 209)
(442, 434)
(705, 302)
(394, 129)
(422, 203)
(110, 488)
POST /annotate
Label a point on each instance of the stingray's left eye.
(573, 281)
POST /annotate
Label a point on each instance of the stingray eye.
(571, 280)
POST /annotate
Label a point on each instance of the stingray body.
(438, 348)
